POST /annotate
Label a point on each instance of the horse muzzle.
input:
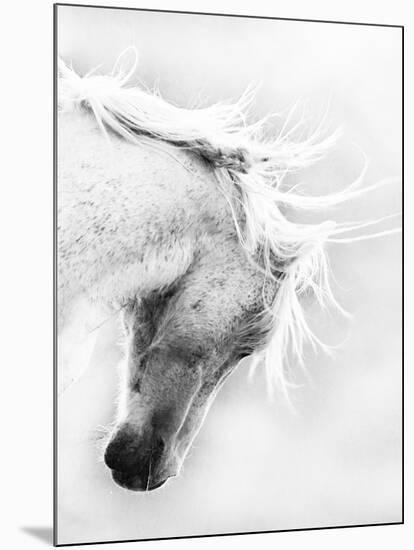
(139, 461)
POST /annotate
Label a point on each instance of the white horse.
(180, 222)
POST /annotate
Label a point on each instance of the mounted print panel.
(228, 202)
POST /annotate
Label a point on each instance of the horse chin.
(136, 483)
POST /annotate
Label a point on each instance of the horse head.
(181, 344)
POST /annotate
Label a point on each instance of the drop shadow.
(45, 534)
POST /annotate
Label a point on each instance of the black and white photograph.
(228, 292)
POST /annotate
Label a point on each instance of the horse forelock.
(250, 172)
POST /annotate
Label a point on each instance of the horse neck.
(131, 218)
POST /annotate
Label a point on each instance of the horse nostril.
(113, 454)
(120, 453)
(132, 454)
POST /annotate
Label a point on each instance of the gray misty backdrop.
(256, 465)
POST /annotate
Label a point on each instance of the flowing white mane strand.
(250, 170)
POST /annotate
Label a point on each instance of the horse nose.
(135, 453)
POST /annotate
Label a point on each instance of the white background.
(27, 265)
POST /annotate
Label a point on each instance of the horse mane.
(250, 170)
